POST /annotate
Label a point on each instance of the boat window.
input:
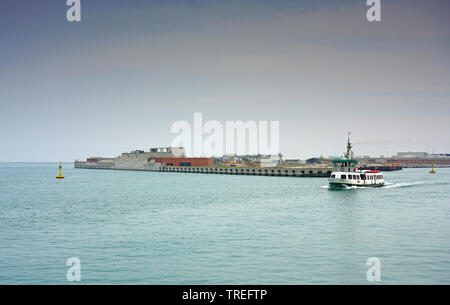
(357, 177)
(343, 176)
(332, 176)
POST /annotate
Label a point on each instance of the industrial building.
(184, 161)
(153, 159)
(258, 160)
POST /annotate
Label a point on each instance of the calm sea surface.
(132, 227)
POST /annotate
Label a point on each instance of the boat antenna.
(349, 147)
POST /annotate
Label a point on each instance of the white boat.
(345, 173)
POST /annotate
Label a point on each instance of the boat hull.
(344, 184)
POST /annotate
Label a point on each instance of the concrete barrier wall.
(264, 171)
(257, 171)
(93, 165)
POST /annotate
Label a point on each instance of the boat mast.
(349, 147)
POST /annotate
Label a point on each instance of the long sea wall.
(224, 170)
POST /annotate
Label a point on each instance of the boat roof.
(344, 160)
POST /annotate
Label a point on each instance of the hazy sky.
(118, 79)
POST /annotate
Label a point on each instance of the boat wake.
(402, 184)
(343, 187)
(387, 185)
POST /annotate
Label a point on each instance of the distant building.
(313, 161)
(183, 161)
(439, 156)
(292, 161)
(269, 160)
(175, 151)
(256, 160)
(411, 155)
(372, 160)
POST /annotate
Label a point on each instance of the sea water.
(133, 227)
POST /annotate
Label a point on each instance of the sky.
(118, 80)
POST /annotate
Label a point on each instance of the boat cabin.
(345, 165)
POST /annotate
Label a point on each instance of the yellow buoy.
(60, 176)
(432, 171)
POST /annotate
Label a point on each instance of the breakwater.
(256, 171)
(220, 170)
